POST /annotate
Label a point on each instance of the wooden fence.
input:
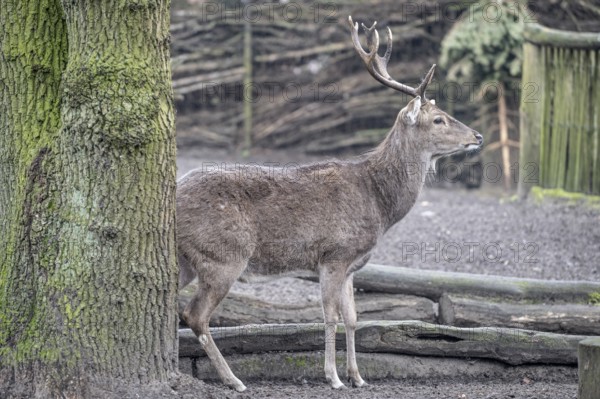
(277, 75)
(560, 111)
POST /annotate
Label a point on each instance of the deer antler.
(377, 65)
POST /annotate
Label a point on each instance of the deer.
(326, 217)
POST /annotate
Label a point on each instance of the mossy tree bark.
(87, 196)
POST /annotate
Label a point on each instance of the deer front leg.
(349, 315)
(331, 279)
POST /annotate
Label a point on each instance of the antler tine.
(388, 49)
(356, 41)
(377, 65)
(426, 80)
(372, 42)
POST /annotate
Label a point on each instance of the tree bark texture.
(87, 170)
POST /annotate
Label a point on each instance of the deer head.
(427, 127)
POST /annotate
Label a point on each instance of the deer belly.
(282, 256)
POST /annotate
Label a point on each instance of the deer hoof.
(239, 386)
(357, 383)
(236, 384)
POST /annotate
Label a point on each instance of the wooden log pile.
(305, 85)
(473, 300)
(308, 366)
(417, 324)
(453, 299)
(510, 346)
(239, 309)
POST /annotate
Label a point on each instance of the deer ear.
(411, 111)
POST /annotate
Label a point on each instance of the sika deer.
(326, 217)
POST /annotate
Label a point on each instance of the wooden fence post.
(589, 368)
(532, 92)
(247, 88)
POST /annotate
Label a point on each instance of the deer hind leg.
(332, 280)
(213, 286)
(186, 272)
(349, 315)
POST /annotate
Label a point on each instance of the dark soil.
(477, 231)
(397, 390)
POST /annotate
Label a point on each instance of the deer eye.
(438, 120)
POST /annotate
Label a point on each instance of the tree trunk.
(87, 168)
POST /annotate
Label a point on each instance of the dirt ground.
(475, 231)
(393, 390)
(187, 387)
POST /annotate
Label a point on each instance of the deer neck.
(398, 168)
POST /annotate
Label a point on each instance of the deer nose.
(479, 138)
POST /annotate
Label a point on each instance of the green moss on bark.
(88, 264)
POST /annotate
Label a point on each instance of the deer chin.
(448, 153)
(435, 157)
(472, 147)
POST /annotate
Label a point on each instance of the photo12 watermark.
(268, 92)
(217, 92)
(331, 12)
(449, 171)
(469, 252)
(408, 332)
(268, 12)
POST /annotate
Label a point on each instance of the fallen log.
(239, 309)
(433, 284)
(559, 318)
(299, 366)
(511, 346)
